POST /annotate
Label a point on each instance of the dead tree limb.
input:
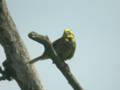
(16, 54)
(62, 66)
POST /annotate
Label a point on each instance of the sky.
(96, 25)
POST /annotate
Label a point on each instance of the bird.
(64, 46)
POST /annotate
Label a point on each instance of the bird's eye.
(66, 33)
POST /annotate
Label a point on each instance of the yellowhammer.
(64, 47)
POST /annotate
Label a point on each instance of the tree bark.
(16, 53)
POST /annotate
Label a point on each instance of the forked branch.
(62, 66)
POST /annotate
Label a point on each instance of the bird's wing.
(60, 45)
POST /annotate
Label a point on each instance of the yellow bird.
(64, 47)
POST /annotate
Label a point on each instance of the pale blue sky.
(96, 25)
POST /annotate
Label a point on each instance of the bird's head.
(68, 34)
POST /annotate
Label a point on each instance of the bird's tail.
(42, 57)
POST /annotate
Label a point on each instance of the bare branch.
(62, 66)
